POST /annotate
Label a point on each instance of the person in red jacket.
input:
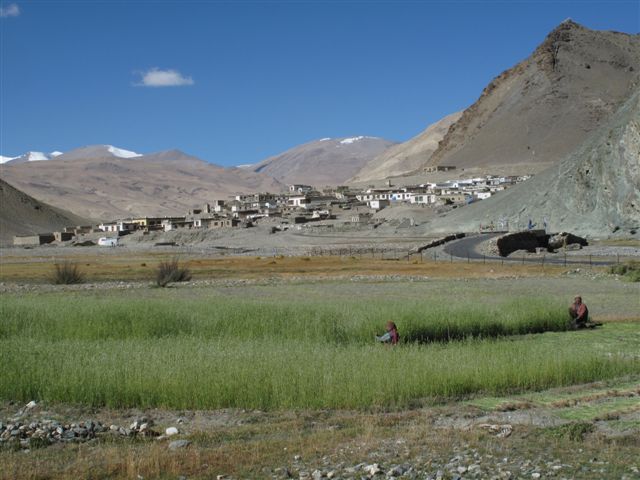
(579, 313)
(392, 336)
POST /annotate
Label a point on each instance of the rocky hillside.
(329, 161)
(100, 184)
(406, 157)
(536, 113)
(594, 191)
(21, 214)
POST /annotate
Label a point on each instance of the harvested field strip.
(566, 397)
(193, 373)
(595, 396)
(600, 410)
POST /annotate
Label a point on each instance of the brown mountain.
(539, 111)
(95, 183)
(406, 157)
(330, 161)
(594, 191)
(21, 214)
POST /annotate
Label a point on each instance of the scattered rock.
(501, 431)
(177, 444)
(373, 469)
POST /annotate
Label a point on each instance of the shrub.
(170, 271)
(575, 431)
(629, 270)
(66, 273)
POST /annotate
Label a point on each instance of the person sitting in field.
(391, 336)
(579, 313)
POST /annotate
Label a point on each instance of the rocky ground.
(520, 437)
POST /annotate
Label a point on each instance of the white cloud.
(163, 78)
(11, 10)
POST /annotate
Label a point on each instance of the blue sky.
(236, 82)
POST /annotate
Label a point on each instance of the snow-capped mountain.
(91, 151)
(30, 157)
(101, 183)
(122, 153)
(98, 151)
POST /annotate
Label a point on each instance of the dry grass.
(255, 450)
(619, 242)
(132, 267)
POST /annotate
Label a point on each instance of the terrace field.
(296, 347)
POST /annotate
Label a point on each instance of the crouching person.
(391, 335)
(579, 313)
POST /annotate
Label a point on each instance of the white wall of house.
(108, 241)
(378, 204)
(299, 201)
(422, 198)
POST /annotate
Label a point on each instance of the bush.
(66, 273)
(575, 431)
(170, 271)
(629, 270)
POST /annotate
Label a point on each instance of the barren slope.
(21, 214)
(323, 162)
(408, 156)
(595, 191)
(539, 111)
(165, 183)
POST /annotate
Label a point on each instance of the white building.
(108, 241)
(422, 198)
(378, 204)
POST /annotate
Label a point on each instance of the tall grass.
(629, 270)
(210, 352)
(188, 372)
(344, 322)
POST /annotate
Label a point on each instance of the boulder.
(563, 239)
(177, 444)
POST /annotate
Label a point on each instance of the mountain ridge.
(328, 161)
(22, 214)
(158, 184)
(405, 158)
(593, 191)
(542, 108)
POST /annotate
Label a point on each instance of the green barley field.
(299, 346)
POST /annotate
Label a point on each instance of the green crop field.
(270, 348)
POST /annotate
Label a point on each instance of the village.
(299, 205)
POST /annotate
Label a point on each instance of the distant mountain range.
(29, 157)
(103, 182)
(405, 158)
(328, 161)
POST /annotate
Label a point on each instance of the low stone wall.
(440, 241)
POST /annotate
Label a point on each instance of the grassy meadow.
(307, 345)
